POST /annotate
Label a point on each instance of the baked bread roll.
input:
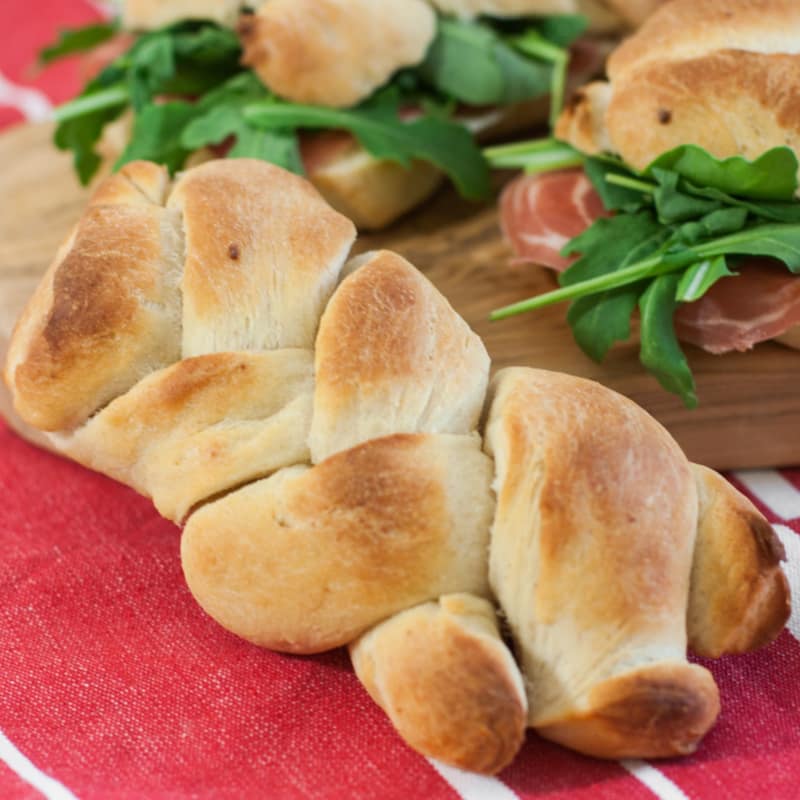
(722, 74)
(591, 565)
(393, 357)
(139, 15)
(326, 53)
(316, 426)
(311, 557)
(443, 674)
(738, 590)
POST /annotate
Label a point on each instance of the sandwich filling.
(682, 203)
(267, 86)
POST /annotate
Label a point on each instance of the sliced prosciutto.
(539, 214)
(761, 303)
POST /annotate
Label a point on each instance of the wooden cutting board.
(749, 412)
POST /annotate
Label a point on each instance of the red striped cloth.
(115, 685)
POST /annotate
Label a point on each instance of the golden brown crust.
(308, 559)
(374, 192)
(740, 597)
(392, 356)
(722, 74)
(10, 416)
(334, 52)
(104, 316)
(655, 712)
(202, 426)
(573, 510)
(582, 123)
(729, 102)
(270, 257)
(687, 29)
(136, 183)
(447, 681)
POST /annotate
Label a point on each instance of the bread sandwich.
(679, 191)
(376, 101)
(324, 430)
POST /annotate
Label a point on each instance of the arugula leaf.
(216, 125)
(600, 319)
(80, 134)
(206, 43)
(277, 147)
(180, 58)
(700, 277)
(378, 127)
(624, 239)
(157, 135)
(532, 43)
(152, 64)
(614, 196)
(78, 40)
(660, 352)
(773, 210)
(220, 116)
(773, 240)
(717, 223)
(772, 176)
(473, 64)
(673, 205)
(563, 29)
(543, 155)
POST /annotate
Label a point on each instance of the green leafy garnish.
(600, 319)
(102, 101)
(157, 135)
(563, 29)
(473, 64)
(545, 155)
(660, 352)
(700, 277)
(184, 59)
(380, 130)
(772, 176)
(220, 117)
(675, 227)
(187, 89)
(78, 40)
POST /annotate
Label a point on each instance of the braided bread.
(315, 424)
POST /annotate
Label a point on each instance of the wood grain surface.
(749, 412)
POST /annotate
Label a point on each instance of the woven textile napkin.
(114, 684)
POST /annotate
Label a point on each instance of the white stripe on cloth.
(655, 780)
(791, 543)
(471, 786)
(25, 769)
(772, 489)
(31, 103)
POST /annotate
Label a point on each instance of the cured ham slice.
(539, 214)
(761, 303)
